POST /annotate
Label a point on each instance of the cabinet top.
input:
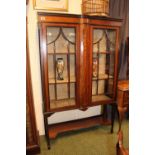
(45, 17)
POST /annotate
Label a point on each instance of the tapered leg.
(121, 115)
(46, 132)
(48, 144)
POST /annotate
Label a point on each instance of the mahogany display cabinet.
(79, 61)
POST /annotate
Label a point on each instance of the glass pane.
(103, 64)
(94, 88)
(52, 35)
(52, 91)
(112, 38)
(61, 45)
(72, 90)
(62, 91)
(61, 66)
(61, 40)
(70, 34)
(72, 68)
(101, 86)
(51, 71)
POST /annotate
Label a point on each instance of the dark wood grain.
(44, 67)
(122, 99)
(40, 14)
(55, 129)
(32, 141)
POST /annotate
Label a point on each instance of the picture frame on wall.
(51, 5)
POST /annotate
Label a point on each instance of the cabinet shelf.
(97, 98)
(54, 104)
(66, 80)
(103, 52)
(55, 129)
(59, 53)
(102, 77)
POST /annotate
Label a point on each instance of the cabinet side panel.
(32, 142)
(44, 67)
(116, 63)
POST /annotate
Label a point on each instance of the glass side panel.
(61, 49)
(103, 64)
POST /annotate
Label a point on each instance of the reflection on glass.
(61, 47)
(103, 63)
(61, 40)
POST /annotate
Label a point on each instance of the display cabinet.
(79, 57)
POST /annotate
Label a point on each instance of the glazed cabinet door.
(104, 55)
(59, 58)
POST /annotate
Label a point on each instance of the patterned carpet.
(92, 141)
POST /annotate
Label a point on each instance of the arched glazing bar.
(98, 41)
(104, 32)
(108, 44)
(61, 33)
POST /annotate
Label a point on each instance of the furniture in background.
(127, 52)
(79, 59)
(32, 136)
(119, 146)
(122, 99)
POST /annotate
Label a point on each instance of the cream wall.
(75, 8)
